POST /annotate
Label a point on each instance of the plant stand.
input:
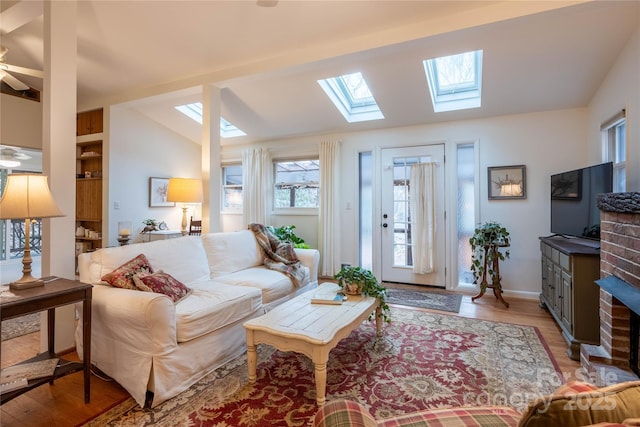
(489, 252)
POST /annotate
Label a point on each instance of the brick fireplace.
(616, 358)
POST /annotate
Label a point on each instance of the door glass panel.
(402, 251)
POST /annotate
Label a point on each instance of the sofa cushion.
(183, 258)
(343, 413)
(494, 416)
(209, 308)
(273, 284)
(231, 251)
(161, 283)
(122, 276)
(612, 404)
(572, 388)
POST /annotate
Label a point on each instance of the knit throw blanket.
(279, 255)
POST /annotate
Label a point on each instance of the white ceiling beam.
(20, 14)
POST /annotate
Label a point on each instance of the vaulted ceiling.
(153, 55)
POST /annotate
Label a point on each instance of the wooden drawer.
(565, 262)
(545, 249)
(555, 256)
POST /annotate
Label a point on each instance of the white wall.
(545, 143)
(620, 89)
(140, 148)
(21, 122)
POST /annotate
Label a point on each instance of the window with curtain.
(297, 184)
(614, 148)
(232, 188)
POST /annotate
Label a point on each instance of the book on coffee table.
(328, 298)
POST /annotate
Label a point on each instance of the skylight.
(194, 111)
(455, 81)
(227, 130)
(352, 97)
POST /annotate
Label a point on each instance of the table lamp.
(27, 196)
(184, 190)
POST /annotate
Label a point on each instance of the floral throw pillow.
(162, 283)
(122, 277)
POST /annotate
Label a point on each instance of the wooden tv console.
(570, 267)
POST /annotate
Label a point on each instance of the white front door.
(395, 218)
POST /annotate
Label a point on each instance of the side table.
(56, 292)
(162, 235)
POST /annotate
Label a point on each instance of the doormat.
(442, 301)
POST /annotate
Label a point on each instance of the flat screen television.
(574, 206)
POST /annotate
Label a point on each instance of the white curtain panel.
(328, 218)
(256, 185)
(422, 205)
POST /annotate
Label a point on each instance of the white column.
(211, 164)
(58, 151)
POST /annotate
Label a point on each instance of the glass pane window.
(297, 184)
(366, 210)
(402, 245)
(455, 81)
(352, 97)
(465, 169)
(232, 188)
(614, 149)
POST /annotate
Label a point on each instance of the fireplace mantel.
(624, 292)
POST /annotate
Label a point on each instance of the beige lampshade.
(184, 190)
(27, 196)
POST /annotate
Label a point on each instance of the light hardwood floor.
(62, 404)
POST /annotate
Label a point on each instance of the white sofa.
(149, 344)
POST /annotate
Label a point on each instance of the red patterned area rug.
(424, 360)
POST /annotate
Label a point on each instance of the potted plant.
(286, 234)
(486, 242)
(357, 280)
(150, 225)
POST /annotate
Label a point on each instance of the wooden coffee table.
(310, 329)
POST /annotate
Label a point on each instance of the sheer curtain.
(257, 178)
(421, 205)
(328, 218)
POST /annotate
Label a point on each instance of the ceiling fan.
(10, 157)
(6, 69)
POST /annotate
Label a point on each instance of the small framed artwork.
(507, 182)
(158, 188)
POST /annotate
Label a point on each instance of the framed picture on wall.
(158, 188)
(507, 182)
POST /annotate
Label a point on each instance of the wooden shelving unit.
(89, 183)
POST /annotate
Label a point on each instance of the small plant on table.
(357, 280)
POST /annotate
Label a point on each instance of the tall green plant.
(286, 234)
(487, 240)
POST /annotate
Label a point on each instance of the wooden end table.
(311, 329)
(56, 292)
